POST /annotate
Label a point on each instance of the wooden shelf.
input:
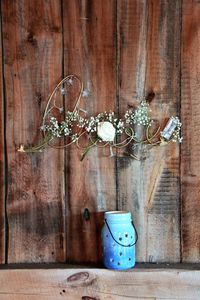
(146, 281)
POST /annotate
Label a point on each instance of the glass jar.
(119, 237)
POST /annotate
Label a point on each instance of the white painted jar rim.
(117, 216)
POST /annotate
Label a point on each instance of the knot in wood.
(80, 279)
(150, 95)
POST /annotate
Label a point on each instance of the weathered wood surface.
(89, 52)
(32, 36)
(2, 159)
(149, 68)
(190, 113)
(100, 284)
(124, 51)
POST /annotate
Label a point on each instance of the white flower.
(21, 148)
(106, 131)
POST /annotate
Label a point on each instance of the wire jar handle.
(129, 245)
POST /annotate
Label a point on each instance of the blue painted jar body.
(118, 240)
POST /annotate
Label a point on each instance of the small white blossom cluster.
(63, 128)
(53, 127)
(92, 122)
(176, 137)
(140, 116)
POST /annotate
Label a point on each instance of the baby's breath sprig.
(141, 116)
(64, 128)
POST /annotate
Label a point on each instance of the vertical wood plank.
(2, 158)
(132, 40)
(190, 112)
(32, 34)
(149, 67)
(89, 43)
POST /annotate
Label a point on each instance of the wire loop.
(129, 245)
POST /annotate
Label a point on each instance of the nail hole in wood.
(150, 95)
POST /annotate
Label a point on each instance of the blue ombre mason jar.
(119, 237)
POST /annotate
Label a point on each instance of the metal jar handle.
(130, 245)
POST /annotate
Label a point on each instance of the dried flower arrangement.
(103, 130)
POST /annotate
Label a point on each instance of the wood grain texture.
(32, 35)
(124, 51)
(89, 52)
(149, 67)
(190, 113)
(2, 159)
(99, 284)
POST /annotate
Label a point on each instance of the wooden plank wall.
(124, 51)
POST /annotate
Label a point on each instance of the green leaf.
(88, 149)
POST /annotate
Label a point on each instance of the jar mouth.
(115, 212)
(117, 215)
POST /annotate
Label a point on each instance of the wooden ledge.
(181, 282)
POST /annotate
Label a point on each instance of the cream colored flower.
(106, 131)
(21, 148)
